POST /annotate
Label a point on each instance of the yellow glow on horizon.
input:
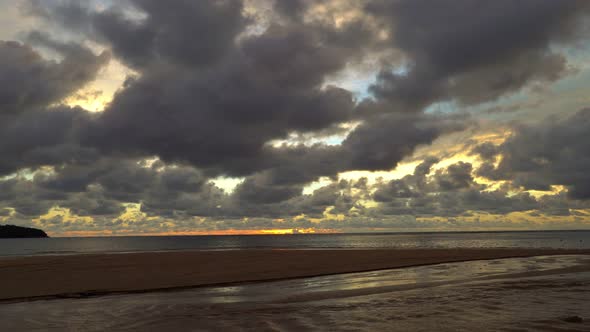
(124, 232)
(288, 231)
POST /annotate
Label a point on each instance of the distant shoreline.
(19, 232)
(78, 276)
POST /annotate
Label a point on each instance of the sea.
(574, 239)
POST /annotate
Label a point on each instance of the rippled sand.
(519, 294)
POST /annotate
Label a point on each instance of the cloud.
(29, 81)
(552, 152)
(216, 85)
(458, 50)
(43, 137)
(449, 192)
(487, 151)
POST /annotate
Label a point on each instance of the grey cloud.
(553, 152)
(256, 189)
(145, 32)
(23, 197)
(33, 134)
(188, 32)
(461, 52)
(487, 151)
(93, 203)
(450, 192)
(457, 176)
(339, 196)
(27, 80)
(251, 97)
(381, 142)
(209, 99)
(43, 137)
(102, 187)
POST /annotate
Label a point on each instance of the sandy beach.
(41, 277)
(540, 293)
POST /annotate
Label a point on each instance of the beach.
(42, 277)
(536, 293)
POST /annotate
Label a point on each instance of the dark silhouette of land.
(17, 232)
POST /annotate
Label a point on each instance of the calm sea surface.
(538, 239)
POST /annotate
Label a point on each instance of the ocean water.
(534, 239)
(546, 293)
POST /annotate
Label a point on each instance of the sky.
(144, 117)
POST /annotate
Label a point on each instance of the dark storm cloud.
(450, 192)
(339, 196)
(205, 200)
(27, 80)
(265, 86)
(262, 88)
(31, 133)
(214, 91)
(382, 141)
(223, 116)
(473, 51)
(43, 137)
(101, 188)
(122, 180)
(553, 152)
(145, 32)
(457, 176)
(257, 189)
(378, 144)
(487, 151)
(24, 197)
(93, 203)
(192, 33)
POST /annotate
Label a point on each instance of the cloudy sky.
(261, 116)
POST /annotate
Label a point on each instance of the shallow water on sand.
(502, 295)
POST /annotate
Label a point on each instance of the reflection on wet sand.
(539, 293)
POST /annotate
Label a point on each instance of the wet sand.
(543, 293)
(43, 277)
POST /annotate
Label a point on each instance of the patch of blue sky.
(573, 82)
(578, 59)
(444, 107)
(577, 55)
(359, 82)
